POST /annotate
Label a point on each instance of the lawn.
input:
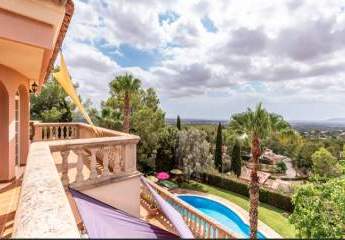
(273, 217)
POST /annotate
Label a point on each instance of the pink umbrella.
(163, 175)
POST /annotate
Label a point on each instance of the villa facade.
(31, 33)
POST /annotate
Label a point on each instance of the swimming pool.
(221, 213)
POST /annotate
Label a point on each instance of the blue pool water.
(221, 213)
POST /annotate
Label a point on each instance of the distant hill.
(300, 125)
(197, 121)
(334, 124)
(339, 120)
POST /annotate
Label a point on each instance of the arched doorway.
(4, 134)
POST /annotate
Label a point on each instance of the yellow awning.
(64, 79)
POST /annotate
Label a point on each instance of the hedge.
(270, 197)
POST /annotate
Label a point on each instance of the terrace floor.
(9, 197)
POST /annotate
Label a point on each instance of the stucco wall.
(12, 81)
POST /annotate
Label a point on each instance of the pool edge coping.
(242, 213)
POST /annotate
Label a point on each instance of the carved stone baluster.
(122, 158)
(80, 164)
(117, 160)
(195, 229)
(45, 133)
(187, 217)
(72, 132)
(208, 230)
(191, 220)
(50, 133)
(107, 155)
(192, 223)
(65, 178)
(221, 233)
(130, 157)
(62, 132)
(76, 132)
(93, 173)
(204, 232)
(68, 132)
(197, 226)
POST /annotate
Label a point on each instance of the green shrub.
(268, 196)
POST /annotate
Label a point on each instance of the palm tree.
(257, 125)
(110, 119)
(124, 86)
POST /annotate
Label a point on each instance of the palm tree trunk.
(254, 189)
(126, 113)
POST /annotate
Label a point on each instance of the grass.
(275, 218)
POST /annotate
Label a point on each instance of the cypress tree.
(218, 162)
(236, 161)
(178, 122)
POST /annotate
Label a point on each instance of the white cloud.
(294, 49)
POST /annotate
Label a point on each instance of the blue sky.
(210, 59)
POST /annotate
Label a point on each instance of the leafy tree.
(145, 116)
(124, 86)
(166, 152)
(218, 161)
(319, 210)
(109, 118)
(178, 122)
(147, 124)
(52, 104)
(334, 146)
(236, 161)
(194, 151)
(257, 125)
(304, 156)
(325, 164)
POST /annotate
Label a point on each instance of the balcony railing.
(106, 153)
(97, 155)
(200, 225)
(100, 154)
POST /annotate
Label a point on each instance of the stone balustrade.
(70, 130)
(104, 157)
(43, 209)
(94, 146)
(55, 131)
(200, 225)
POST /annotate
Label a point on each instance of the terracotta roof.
(246, 172)
(69, 9)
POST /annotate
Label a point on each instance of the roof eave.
(69, 9)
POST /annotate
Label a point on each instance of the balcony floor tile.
(9, 197)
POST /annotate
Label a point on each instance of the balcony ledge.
(43, 208)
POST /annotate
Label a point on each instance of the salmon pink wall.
(11, 82)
